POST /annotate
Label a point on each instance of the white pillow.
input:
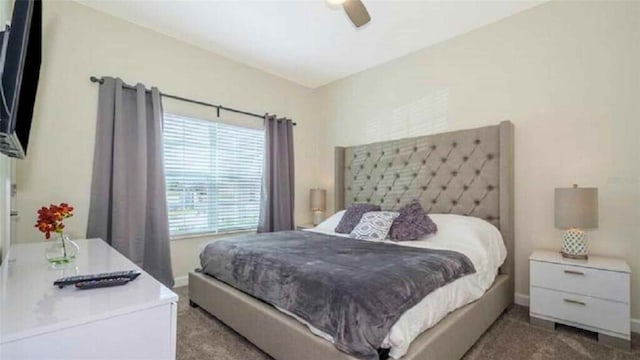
(374, 225)
(331, 222)
(478, 239)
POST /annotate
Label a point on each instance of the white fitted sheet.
(480, 241)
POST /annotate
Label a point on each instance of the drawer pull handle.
(573, 272)
(577, 302)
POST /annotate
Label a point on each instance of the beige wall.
(5, 165)
(5, 183)
(80, 42)
(566, 73)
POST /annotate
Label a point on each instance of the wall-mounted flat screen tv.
(20, 70)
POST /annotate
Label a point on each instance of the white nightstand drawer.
(581, 280)
(597, 313)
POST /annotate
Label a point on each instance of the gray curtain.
(128, 204)
(276, 201)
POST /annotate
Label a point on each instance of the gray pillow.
(413, 223)
(352, 217)
(374, 225)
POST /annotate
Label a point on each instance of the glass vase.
(62, 251)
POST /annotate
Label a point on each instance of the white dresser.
(591, 294)
(41, 321)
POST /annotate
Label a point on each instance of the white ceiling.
(310, 42)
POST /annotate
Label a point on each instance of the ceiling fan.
(355, 9)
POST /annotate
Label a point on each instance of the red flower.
(50, 219)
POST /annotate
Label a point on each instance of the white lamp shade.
(576, 208)
(318, 199)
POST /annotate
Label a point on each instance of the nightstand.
(591, 294)
(305, 226)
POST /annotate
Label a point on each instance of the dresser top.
(31, 305)
(595, 262)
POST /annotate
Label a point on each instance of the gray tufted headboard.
(467, 172)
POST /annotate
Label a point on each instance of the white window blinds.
(213, 173)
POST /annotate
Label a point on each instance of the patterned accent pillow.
(374, 225)
(413, 223)
(352, 217)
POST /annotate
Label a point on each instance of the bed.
(466, 172)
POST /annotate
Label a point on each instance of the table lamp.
(318, 201)
(576, 209)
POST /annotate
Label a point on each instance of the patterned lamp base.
(574, 244)
(317, 217)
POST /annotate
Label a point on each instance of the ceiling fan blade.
(357, 12)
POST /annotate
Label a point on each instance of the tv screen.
(20, 59)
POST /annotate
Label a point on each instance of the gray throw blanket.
(353, 290)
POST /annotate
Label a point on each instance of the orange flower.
(50, 219)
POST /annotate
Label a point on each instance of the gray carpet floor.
(201, 336)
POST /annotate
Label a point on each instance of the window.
(213, 173)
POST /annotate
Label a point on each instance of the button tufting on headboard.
(457, 167)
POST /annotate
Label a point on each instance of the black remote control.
(72, 280)
(95, 284)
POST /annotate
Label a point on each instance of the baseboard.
(523, 300)
(181, 281)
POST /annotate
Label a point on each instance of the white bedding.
(480, 241)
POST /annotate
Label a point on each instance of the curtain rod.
(218, 107)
